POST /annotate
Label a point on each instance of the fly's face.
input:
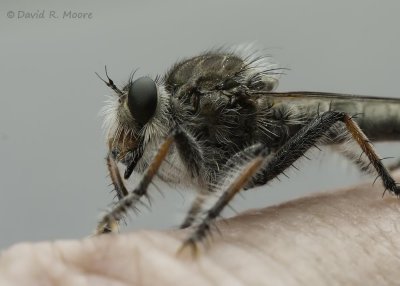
(135, 116)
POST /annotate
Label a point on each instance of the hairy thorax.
(210, 98)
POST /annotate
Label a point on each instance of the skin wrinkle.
(58, 253)
(42, 256)
(80, 271)
(130, 245)
(91, 274)
(237, 270)
(93, 267)
(205, 276)
(274, 260)
(61, 268)
(388, 238)
(180, 271)
(230, 271)
(223, 275)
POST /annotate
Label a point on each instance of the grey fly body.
(214, 122)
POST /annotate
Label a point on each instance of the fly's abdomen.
(378, 118)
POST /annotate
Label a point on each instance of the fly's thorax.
(210, 92)
(222, 70)
(202, 72)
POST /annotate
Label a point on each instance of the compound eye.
(142, 99)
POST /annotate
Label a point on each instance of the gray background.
(52, 171)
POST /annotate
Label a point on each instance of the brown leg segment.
(116, 177)
(362, 140)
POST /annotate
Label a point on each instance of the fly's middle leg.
(260, 168)
(195, 210)
(227, 171)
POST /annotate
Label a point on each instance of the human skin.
(345, 237)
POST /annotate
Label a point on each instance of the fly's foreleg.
(116, 176)
(109, 222)
(191, 155)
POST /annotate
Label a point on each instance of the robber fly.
(214, 122)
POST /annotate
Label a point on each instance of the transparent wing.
(325, 96)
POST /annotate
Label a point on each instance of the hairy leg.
(261, 168)
(194, 211)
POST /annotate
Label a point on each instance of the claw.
(188, 247)
(109, 227)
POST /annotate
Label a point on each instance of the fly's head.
(135, 115)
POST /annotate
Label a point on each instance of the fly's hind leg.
(260, 168)
(309, 135)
